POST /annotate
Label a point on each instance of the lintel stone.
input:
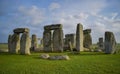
(21, 30)
(53, 27)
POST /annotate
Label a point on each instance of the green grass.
(84, 63)
(3, 46)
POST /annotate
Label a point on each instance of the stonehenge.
(101, 44)
(79, 38)
(70, 40)
(21, 30)
(87, 41)
(110, 43)
(34, 42)
(25, 44)
(9, 43)
(53, 38)
(15, 44)
(58, 40)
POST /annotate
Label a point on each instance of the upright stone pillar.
(69, 43)
(110, 42)
(10, 43)
(15, 43)
(101, 44)
(79, 37)
(87, 39)
(47, 41)
(50, 38)
(25, 43)
(41, 41)
(34, 42)
(58, 40)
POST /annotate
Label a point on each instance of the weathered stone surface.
(44, 56)
(79, 37)
(98, 50)
(70, 46)
(15, 43)
(47, 41)
(70, 38)
(21, 30)
(53, 38)
(41, 41)
(110, 42)
(87, 31)
(101, 44)
(87, 42)
(9, 43)
(53, 27)
(25, 44)
(59, 57)
(58, 40)
(86, 49)
(34, 42)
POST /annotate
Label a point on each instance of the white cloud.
(32, 15)
(106, 23)
(69, 21)
(72, 12)
(114, 15)
(94, 6)
(81, 16)
(54, 6)
(85, 12)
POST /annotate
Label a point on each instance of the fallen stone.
(44, 56)
(59, 57)
(86, 49)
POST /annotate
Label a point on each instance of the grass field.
(3, 46)
(83, 63)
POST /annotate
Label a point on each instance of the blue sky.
(99, 15)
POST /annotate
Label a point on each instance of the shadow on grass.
(86, 53)
(6, 53)
(65, 53)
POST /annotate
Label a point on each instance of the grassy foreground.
(84, 63)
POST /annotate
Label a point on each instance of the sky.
(97, 15)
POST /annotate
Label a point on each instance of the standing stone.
(34, 42)
(41, 41)
(47, 41)
(10, 43)
(87, 39)
(79, 37)
(53, 38)
(15, 43)
(70, 38)
(58, 40)
(69, 41)
(110, 42)
(70, 46)
(25, 44)
(101, 44)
